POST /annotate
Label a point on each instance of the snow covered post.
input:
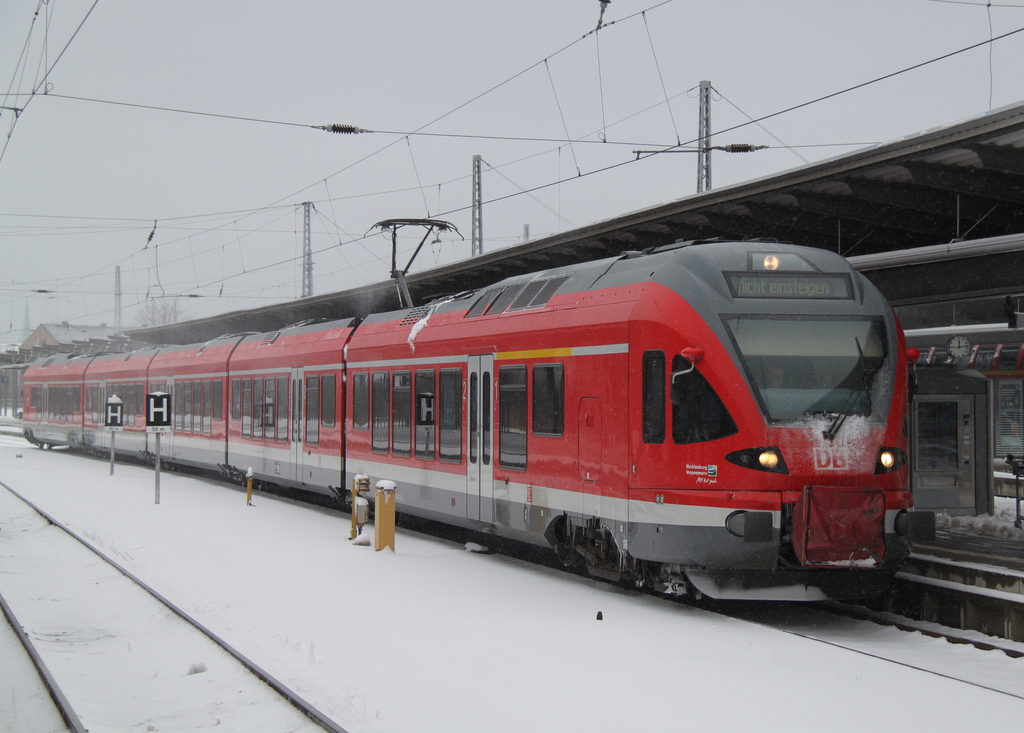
(384, 522)
(248, 486)
(360, 483)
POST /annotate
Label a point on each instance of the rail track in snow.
(112, 652)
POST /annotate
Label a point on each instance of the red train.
(721, 417)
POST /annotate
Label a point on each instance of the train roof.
(690, 268)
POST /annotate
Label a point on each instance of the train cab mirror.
(691, 354)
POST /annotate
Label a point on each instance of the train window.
(451, 415)
(328, 399)
(485, 411)
(800, 366)
(401, 414)
(654, 396)
(187, 418)
(1008, 357)
(512, 417)
(207, 406)
(218, 400)
(236, 399)
(523, 300)
(92, 401)
(425, 416)
(548, 399)
(474, 421)
(361, 401)
(506, 297)
(258, 408)
(246, 407)
(312, 409)
(282, 409)
(381, 409)
(176, 402)
(481, 304)
(197, 407)
(269, 408)
(983, 359)
(36, 399)
(698, 414)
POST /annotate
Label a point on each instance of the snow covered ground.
(432, 638)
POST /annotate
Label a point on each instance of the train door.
(298, 453)
(590, 453)
(480, 466)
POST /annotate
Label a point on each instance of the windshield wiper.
(841, 416)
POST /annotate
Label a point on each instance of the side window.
(548, 400)
(512, 417)
(218, 399)
(258, 407)
(207, 406)
(698, 414)
(179, 405)
(236, 399)
(197, 407)
(246, 407)
(313, 409)
(451, 415)
(401, 422)
(327, 399)
(425, 418)
(381, 412)
(361, 401)
(187, 424)
(282, 408)
(270, 408)
(654, 397)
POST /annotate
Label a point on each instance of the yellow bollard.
(384, 522)
(248, 487)
(360, 483)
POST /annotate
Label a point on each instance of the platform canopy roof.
(954, 184)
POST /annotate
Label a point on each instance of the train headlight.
(767, 459)
(889, 460)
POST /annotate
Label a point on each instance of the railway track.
(114, 654)
(890, 638)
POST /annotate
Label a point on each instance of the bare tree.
(160, 311)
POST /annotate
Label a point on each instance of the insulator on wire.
(741, 148)
(344, 129)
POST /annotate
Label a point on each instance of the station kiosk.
(950, 441)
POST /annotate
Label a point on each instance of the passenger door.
(480, 453)
(298, 451)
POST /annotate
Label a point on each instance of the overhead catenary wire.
(579, 173)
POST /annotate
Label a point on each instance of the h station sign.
(158, 412)
(113, 415)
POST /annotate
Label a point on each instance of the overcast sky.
(224, 165)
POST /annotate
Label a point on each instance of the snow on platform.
(432, 638)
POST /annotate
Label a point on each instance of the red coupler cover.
(839, 526)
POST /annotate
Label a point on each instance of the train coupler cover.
(839, 526)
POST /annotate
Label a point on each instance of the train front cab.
(770, 459)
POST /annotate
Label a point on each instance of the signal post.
(113, 421)
(158, 421)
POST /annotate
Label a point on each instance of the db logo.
(830, 459)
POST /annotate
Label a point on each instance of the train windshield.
(802, 366)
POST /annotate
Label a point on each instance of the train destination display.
(814, 285)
